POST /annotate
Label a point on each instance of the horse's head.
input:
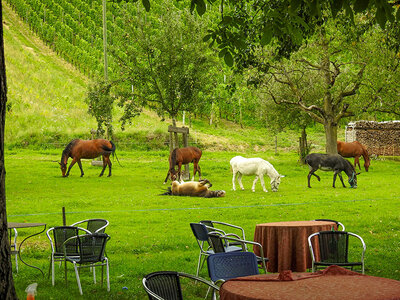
(173, 174)
(275, 183)
(353, 180)
(366, 165)
(63, 167)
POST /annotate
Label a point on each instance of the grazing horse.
(78, 149)
(182, 156)
(254, 166)
(354, 149)
(335, 163)
(194, 189)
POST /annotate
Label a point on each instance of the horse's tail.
(112, 151)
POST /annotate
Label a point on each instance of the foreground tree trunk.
(7, 290)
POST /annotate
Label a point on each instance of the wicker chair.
(60, 234)
(93, 225)
(90, 253)
(200, 232)
(333, 249)
(166, 285)
(337, 223)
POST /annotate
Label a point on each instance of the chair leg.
(108, 275)
(102, 274)
(78, 279)
(198, 265)
(16, 262)
(94, 274)
(52, 269)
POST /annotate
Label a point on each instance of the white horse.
(254, 166)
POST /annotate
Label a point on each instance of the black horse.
(335, 163)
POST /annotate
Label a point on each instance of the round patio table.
(285, 243)
(332, 283)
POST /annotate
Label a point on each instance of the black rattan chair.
(166, 285)
(333, 249)
(60, 234)
(217, 225)
(93, 225)
(200, 232)
(337, 223)
(90, 253)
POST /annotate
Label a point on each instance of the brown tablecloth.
(285, 243)
(333, 283)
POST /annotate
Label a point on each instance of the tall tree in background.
(7, 289)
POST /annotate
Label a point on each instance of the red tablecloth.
(333, 283)
(285, 243)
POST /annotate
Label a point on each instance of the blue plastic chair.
(228, 265)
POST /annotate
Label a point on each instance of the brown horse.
(354, 149)
(182, 156)
(90, 149)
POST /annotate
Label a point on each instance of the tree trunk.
(303, 147)
(7, 289)
(331, 137)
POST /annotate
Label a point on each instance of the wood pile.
(380, 138)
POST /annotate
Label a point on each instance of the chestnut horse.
(182, 156)
(78, 149)
(354, 149)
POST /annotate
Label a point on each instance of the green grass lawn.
(151, 232)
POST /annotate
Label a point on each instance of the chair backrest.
(163, 285)
(200, 231)
(60, 235)
(333, 246)
(94, 225)
(216, 241)
(91, 247)
(337, 223)
(231, 265)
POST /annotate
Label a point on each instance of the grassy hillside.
(46, 106)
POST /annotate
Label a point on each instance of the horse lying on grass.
(182, 156)
(254, 166)
(354, 149)
(335, 163)
(78, 149)
(194, 189)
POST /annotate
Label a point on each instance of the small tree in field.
(165, 64)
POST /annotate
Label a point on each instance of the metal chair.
(337, 223)
(166, 285)
(90, 250)
(225, 227)
(218, 242)
(200, 232)
(13, 245)
(60, 235)
(333, 249)
(93, 225)
(224, 266)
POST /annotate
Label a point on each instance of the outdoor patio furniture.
(333, 247)
(200, 232)
(225, 227)
(60, 234)
(219, 241)
(337, 223)
(166, 285)
(90, 253)
(13, 246)
(93, 225)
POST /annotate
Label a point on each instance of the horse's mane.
(351, 165)
(68, 149)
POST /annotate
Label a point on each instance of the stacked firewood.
(380, 138)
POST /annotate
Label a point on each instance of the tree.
(319, 79)
(7, 289)
(165, 65)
